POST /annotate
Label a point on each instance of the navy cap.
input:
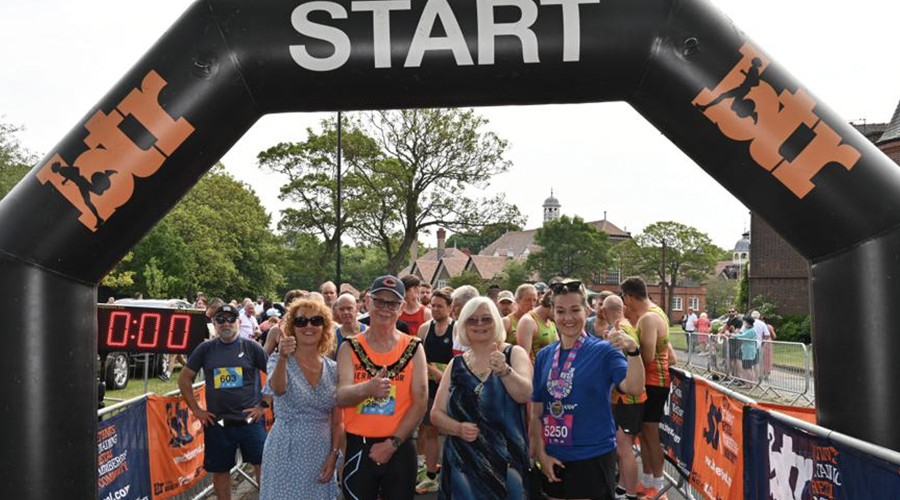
(391, 283)
(226, 309)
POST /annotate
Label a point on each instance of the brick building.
(777, 271)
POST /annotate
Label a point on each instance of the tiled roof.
(486, 266)
(892, 132)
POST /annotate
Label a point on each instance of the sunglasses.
(222, 319)
(483, 320)
(566, 287)
(386, 304)
(302, 321)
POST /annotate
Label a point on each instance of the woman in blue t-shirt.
(571, 419)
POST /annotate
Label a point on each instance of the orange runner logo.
(747, 108)
(101, 179)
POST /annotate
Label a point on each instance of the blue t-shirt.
(598, 367)
(232, 371)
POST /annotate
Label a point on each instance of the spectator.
(480, 406)
(572, 425)
(309, 430)
(234, 402)
(382, 388)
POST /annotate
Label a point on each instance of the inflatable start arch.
(679, 63)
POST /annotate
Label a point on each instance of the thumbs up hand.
(497, 360)
(380, 385)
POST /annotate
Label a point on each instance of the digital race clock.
(149, 329)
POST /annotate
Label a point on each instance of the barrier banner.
(176, 461)
(786, 463)
(718, 456)
(677, 425)
(122, 469)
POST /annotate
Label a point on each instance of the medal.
(556, 408)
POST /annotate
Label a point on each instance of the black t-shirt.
(232, 371)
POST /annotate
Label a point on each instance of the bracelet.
(506, 372)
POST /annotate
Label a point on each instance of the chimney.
(442, 238)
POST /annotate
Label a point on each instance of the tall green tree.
(671, 252)
(432, 158)
(15, 159)
(570, 248)
(312, 191)
(478, 240)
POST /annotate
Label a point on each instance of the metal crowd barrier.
(771, 370)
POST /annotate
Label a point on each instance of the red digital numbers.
(155, 318)
(126, 319)
(185, 329)
(118, 333)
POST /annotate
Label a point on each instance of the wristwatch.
(395, 441)
(635, 352)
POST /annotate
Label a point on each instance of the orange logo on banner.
(747, 108)
(101, 179)
(718, 469)
(176, 452)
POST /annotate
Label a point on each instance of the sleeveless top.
(380, 417)
(438, 352)
(545, 335)
(657, 371)
(513, 325)
(484, 466)
(624, 399)
(414, 320)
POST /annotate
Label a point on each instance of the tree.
(476, 241)
(15, 159)
(668, 252)
(311, 168)
(720, 294)
(570, 248)
(431, 158)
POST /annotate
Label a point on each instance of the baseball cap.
(226, 309)
(391, 283)
(506, 295)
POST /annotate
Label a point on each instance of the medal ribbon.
(559, 385)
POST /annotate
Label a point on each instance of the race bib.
(378, 406)
(557, 427)
(228, 378)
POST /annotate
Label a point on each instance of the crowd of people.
(539, 392)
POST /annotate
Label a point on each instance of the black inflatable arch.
(225, 63)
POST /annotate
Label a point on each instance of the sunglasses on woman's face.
(302, 321)
(222, 319)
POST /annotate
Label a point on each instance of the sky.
(60, 57)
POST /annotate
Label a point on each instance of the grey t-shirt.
(232, 375)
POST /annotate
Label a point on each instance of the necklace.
(560, 384)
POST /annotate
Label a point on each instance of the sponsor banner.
(122, 468)
(176, 462)
(676, 429)
(718, 438)
(786, 463)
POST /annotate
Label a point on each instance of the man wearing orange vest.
(382, 386)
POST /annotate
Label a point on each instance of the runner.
(437, 337)
(382, 388)
(526, 298)
(571, 418)
(414, 314)
(537, 330)
(653, 332)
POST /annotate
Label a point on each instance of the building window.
(676, 304)
(694, 303)
(612, 276)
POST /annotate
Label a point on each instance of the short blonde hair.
(320, 309)
(469, 309)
